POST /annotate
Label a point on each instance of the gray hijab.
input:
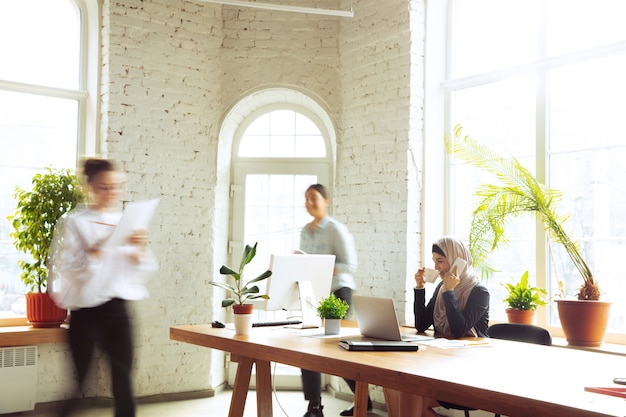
(453, 248)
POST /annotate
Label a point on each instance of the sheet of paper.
(135, 216)
(443, 343)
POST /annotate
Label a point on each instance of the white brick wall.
(377, 191)
(171, 71)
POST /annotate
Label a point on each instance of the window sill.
(610, 348)
(28, 335)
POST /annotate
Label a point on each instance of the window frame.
(86, 95)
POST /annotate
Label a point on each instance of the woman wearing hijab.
(459, 307)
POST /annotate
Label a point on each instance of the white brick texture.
(171, 70)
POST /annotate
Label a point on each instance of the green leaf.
(516, 193)
(54, 193)
(242, 291)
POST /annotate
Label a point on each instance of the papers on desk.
(135, 216)
(443, 343)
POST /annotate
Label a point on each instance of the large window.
(43, 105)
(544, 81)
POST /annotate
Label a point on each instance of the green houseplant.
(54, 193)
(523, 299)
(242, 291)
(518, 192)
(332, 309)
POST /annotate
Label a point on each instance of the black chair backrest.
(528, 333)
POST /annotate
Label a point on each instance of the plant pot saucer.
(45, 324)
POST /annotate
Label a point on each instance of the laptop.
(377, 319)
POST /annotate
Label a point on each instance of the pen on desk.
(104, 224)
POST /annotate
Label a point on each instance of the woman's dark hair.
(319, 188)
(437, 249)
(94, 166)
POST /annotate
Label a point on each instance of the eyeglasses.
(109, 187)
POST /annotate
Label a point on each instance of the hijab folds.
(453, 248)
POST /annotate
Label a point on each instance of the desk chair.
(526, 333)
(521, 333)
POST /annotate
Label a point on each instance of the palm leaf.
(518, 193)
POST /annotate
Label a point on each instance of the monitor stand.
(308, 306)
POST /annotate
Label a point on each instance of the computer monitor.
(287, 270)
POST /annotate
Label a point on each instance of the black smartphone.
(621, 381)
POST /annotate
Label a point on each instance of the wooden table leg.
(360, 399)
(242, 384)
(263, 389)
(391, 401)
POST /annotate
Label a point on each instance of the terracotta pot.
(243, 308)
(42, 312)
(583, 321)
(242, 318)
(520, 316)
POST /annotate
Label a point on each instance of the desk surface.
(514, 379)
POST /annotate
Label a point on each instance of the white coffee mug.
(430, 275)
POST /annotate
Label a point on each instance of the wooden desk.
(514, 379)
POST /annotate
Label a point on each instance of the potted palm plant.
(54, 193)
(242, 291)
(332, 309)
(517, 193)
(522, 300)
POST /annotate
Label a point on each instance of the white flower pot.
(243, 324)
(332, 326)
(242, 316)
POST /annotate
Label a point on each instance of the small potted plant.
(242, 291)
(523, 300)
(332, 309)
(54, 193)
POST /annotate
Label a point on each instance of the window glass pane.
(494, 34)
(501, 116)
(282, 134)
(283, 122)
(40, 34)
(588, 147)
(35, 132)
(275, 214)
(575, 26)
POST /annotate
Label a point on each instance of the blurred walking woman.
(326, 236)
(95, 282)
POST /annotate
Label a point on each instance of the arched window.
(45, 109)
(282, 142)
(280, 151)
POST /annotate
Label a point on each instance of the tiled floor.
(286, 403)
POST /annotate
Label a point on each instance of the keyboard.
(276, 323)
(415, 337)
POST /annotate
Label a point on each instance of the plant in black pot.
(332, 309)
(54, 193)
(242, 291)
(517, 192)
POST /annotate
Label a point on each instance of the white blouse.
(80, 279)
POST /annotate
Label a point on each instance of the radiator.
(18, 378)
